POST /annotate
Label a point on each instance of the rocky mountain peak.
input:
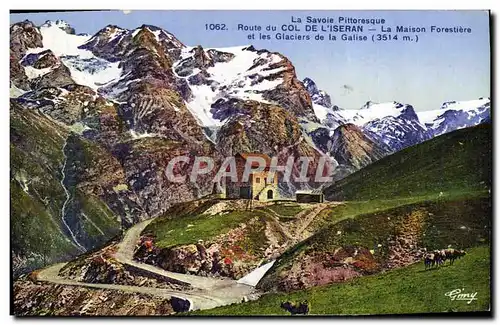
(368, 104)
(349, 146)
(26, 24)
(290, 93)
(24, 35)
(318, 96)
(445, 105)
(310, 85)
(166, 39)
(59, 24)
(408, 111)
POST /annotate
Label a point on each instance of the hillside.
(404, 291)
(218, 237)
(457, 161)
(61, 186)
(399, 207)
(370, 243)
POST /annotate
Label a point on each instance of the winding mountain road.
(198, 300)
(125, 255)
(207, 292)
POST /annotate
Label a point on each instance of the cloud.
(126, 12)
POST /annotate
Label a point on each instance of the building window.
(257, 180)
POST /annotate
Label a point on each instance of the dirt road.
(208, 292)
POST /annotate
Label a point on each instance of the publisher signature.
(459, 294)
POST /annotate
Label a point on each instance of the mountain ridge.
(138, 98)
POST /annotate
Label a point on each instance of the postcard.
(250, 162)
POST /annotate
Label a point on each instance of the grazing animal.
(439, 257)
(448, 254)
(460, 253)
(429, 260)
(451, 254)
(294, 308)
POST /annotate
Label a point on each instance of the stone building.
(312, 196)
(257, 187)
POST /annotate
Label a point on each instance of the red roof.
(247, 155)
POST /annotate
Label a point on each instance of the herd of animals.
(437, 257)
(432, 259)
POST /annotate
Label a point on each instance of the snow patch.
(433, 118)
(136, 135)
(372, 112)
(86, 69)
(233, 79)
(321, 111)
(465, 105)
(254, 277)
(33, 73)
(200, 105)
(92, 73)
(16, 92)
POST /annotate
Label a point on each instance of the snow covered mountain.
(456, 115)
(398, 125)
(117, 64)
(395, 124)
(95, 119)
(218, 74)
(60, 41)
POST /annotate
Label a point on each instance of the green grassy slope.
(36, 194)
(403, 291)
(458, 161)
(461, 223)
(189, 229)
(35, 189)
(460, 216)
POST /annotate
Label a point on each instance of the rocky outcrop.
(41, 60)
(343, 264)
(59, 76)
(23, 36)
(405, 248)
(197, 62)
(233, 254)
(291, 93)
(145, 163)
(32, 298)
(276, 130)
(318, 96)
(102, 267)
(350, 147)
(64, 104)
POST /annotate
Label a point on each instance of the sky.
(437, 68)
